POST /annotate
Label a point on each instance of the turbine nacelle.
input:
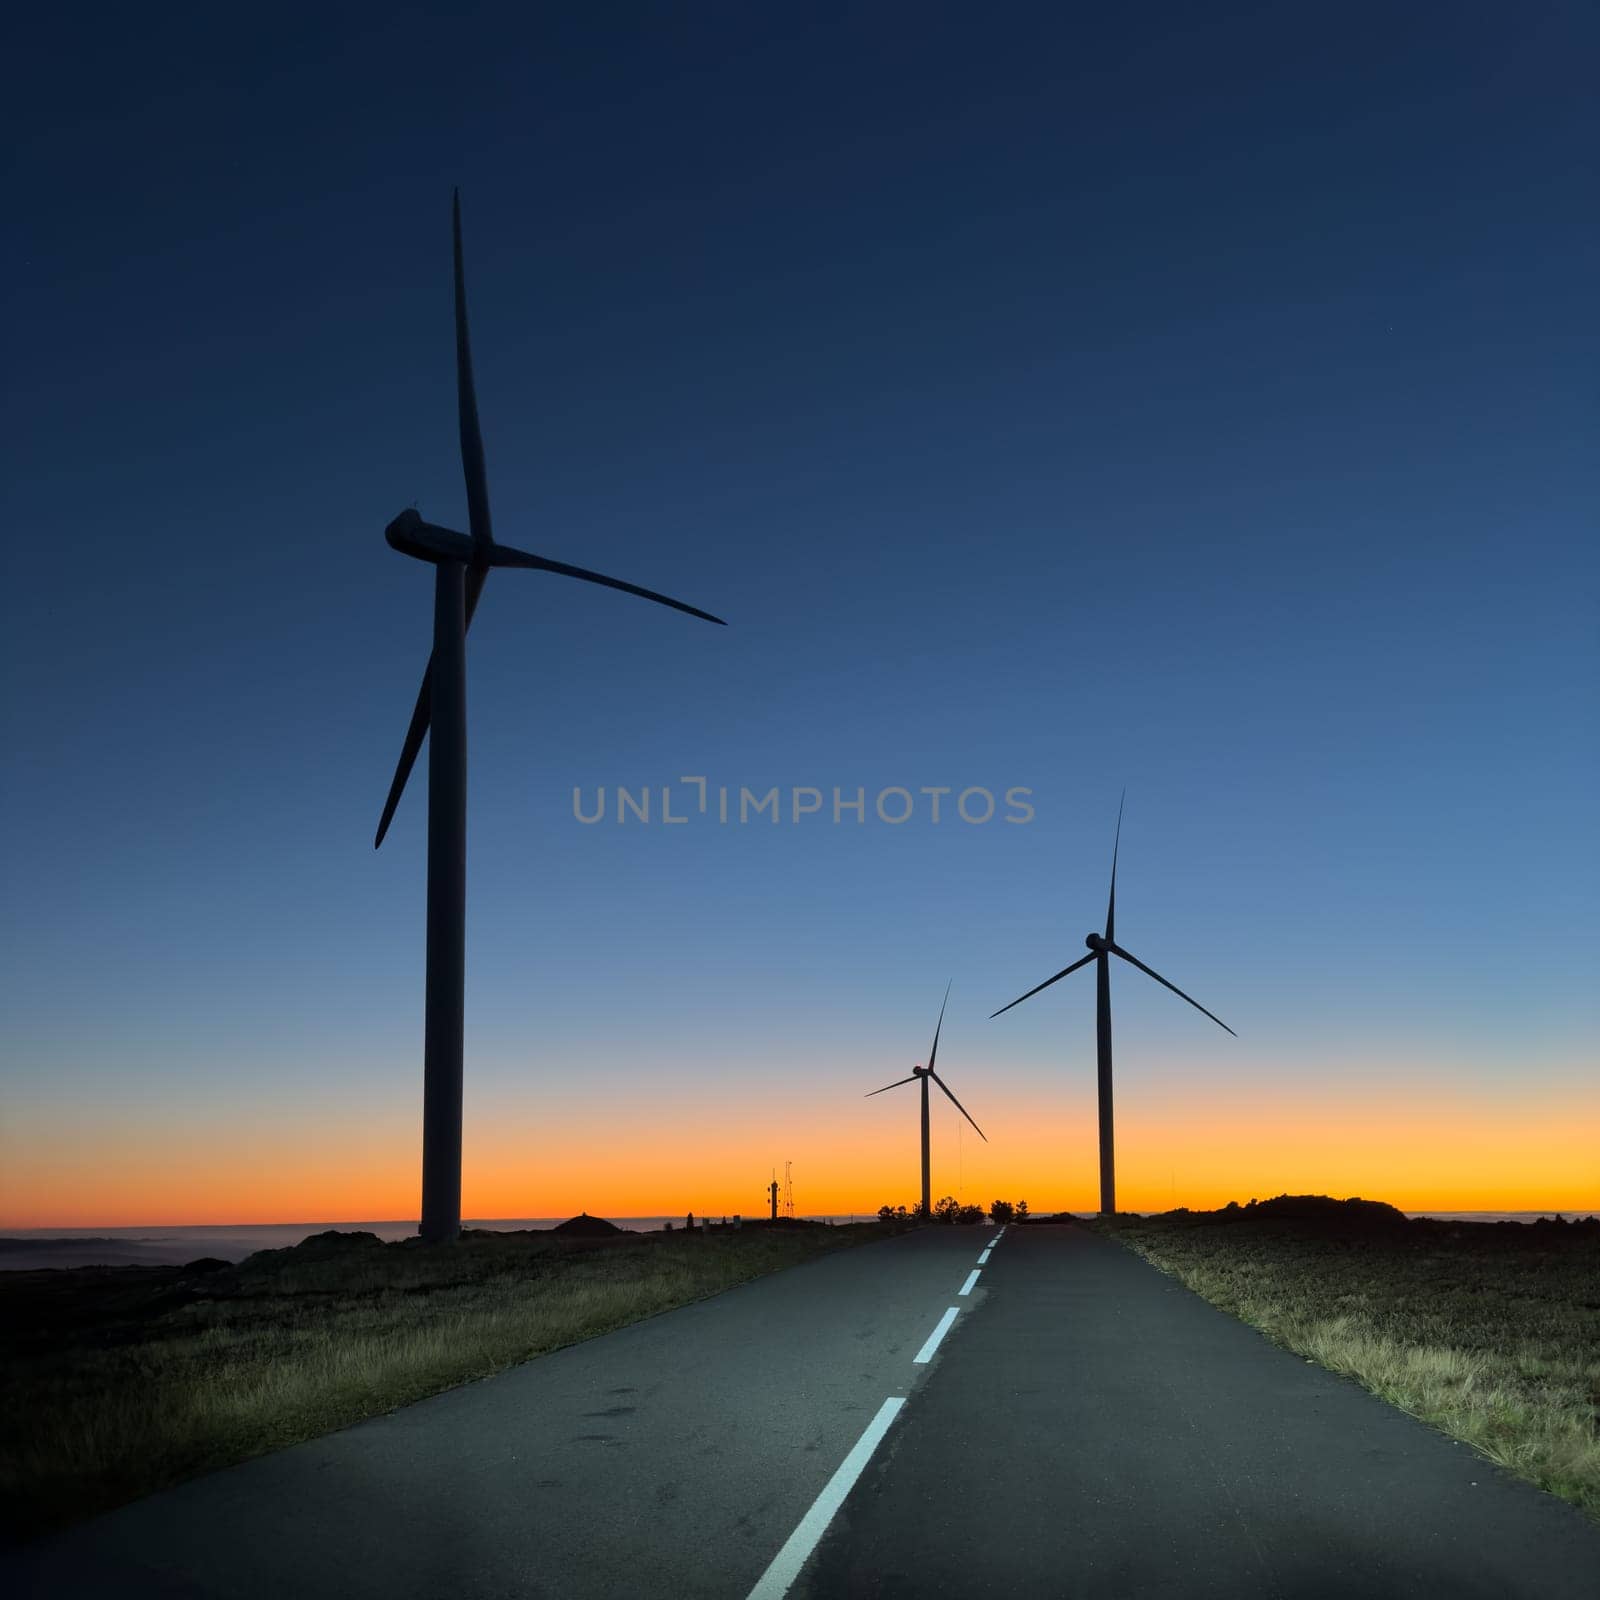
(411, 536)
(921, 1075)
(1093, 940)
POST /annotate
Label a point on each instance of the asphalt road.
(1098, 1432)
(1083, 1428)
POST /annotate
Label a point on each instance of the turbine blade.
(1046, 984)
(504, 556)
(946, 1001)
(408, 751)
(888, 1086)
(1111, 904)
(1117, 950)
(957, 1104)
(420, 715)
(472, 464)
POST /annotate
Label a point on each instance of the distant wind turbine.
(461, 563)
(1101, 950)
(922, 1075)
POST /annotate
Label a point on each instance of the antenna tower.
(788, 1192)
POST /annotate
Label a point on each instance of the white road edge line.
(925, 1354)
(985, 1256)
(972, 1278)
(785, 1566)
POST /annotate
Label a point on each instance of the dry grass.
(1489, 1332)
(118, 1381)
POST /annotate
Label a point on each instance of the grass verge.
(121, 1380)
(1488, 1331)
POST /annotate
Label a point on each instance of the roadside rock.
(206, 1264)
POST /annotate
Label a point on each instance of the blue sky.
(1197, 400)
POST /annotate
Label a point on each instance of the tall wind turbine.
(922, 1075)
(461, 563)
(1101, 949)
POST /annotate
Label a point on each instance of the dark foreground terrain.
(120, 1380)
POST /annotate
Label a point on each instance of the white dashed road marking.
(925, 1354)
(786, 1565)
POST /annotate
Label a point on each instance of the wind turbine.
(1101, 949)
(461, 563)
(922, 1075)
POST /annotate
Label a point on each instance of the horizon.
(863, 1212)
(1196, 404)
(1570, 1213)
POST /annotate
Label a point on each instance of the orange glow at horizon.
(1418, 1153)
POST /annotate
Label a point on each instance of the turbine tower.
(922, 1075)
(461, 563)
(1101, 949)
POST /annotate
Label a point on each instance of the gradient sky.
(1193, 398)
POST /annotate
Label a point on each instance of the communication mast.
(788, 1192)
(772, 1191)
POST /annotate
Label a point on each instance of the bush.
(1002, 1210)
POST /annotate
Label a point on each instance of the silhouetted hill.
(1303, 1213)
(1320, 1208)
(332, 1241)
(1350, 1215)
(586, 1226)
